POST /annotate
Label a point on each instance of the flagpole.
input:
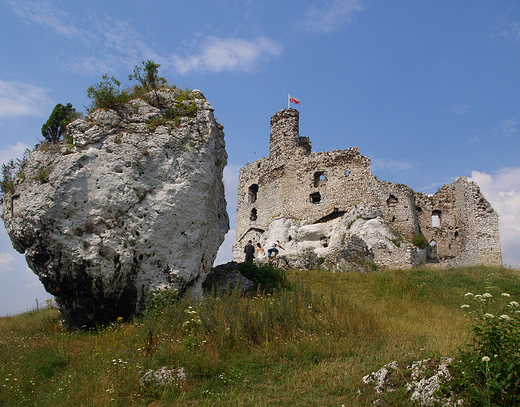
(288, 102)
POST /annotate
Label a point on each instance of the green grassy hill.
(308, 344)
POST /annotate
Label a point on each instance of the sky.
(428, 90)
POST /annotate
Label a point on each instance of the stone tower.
(285, 135)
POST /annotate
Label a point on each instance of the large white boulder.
(135, 204)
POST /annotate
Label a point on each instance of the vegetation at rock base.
(308, 344)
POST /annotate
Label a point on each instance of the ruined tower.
(322, 188)
(285, 135)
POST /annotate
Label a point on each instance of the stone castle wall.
(459, 223)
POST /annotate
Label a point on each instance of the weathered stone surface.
(130, 207)
(319, 201)
(346, 243)
(225, 276)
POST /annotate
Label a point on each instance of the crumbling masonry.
(459, 224)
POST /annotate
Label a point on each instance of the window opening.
(347, 173)
(315, 198)
(392, 201)
(253, 191)
(436, 219)
(319, 179)
(253, 216)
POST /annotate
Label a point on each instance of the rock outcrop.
(357, 241)
(135, 204)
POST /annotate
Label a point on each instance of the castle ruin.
(316, 199)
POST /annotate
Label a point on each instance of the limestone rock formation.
(135, 204)
(356, 241)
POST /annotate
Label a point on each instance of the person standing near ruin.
(259, 254)
(249, 250)
(272, 250)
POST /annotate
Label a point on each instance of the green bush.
(420, 241)
(107, 94)
(490, 364)
(266, 277)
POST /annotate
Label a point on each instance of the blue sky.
(428, 90)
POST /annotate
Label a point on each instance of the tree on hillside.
(61, 115)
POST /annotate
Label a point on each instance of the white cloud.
(511, 32)
(43, 13)
(22, 99)
(6, 261)
(229, 54)
(504, 129)
(502, 190)
(330, 15)
(507, 128)
(12, 152)
(391, 165)
(115, 44)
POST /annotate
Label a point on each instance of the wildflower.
(464, 306)
(506, 295)
(478, 296)
(514, 304)
(486, 359)
(488, 315)
(487, 295)
(468, 295)
(506, 317)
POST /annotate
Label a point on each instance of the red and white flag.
(294, 100)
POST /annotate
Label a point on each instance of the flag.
(294, 100)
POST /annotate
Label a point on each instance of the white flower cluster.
(162, 377)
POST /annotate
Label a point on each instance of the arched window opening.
(436, 219)
(319, 179)
(253, 216)
(253, 191)
(392, 201)
(315, 198)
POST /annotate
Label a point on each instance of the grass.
(309, 343)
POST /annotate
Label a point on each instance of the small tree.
(107, 94)
(55, 127)
(148, 75)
